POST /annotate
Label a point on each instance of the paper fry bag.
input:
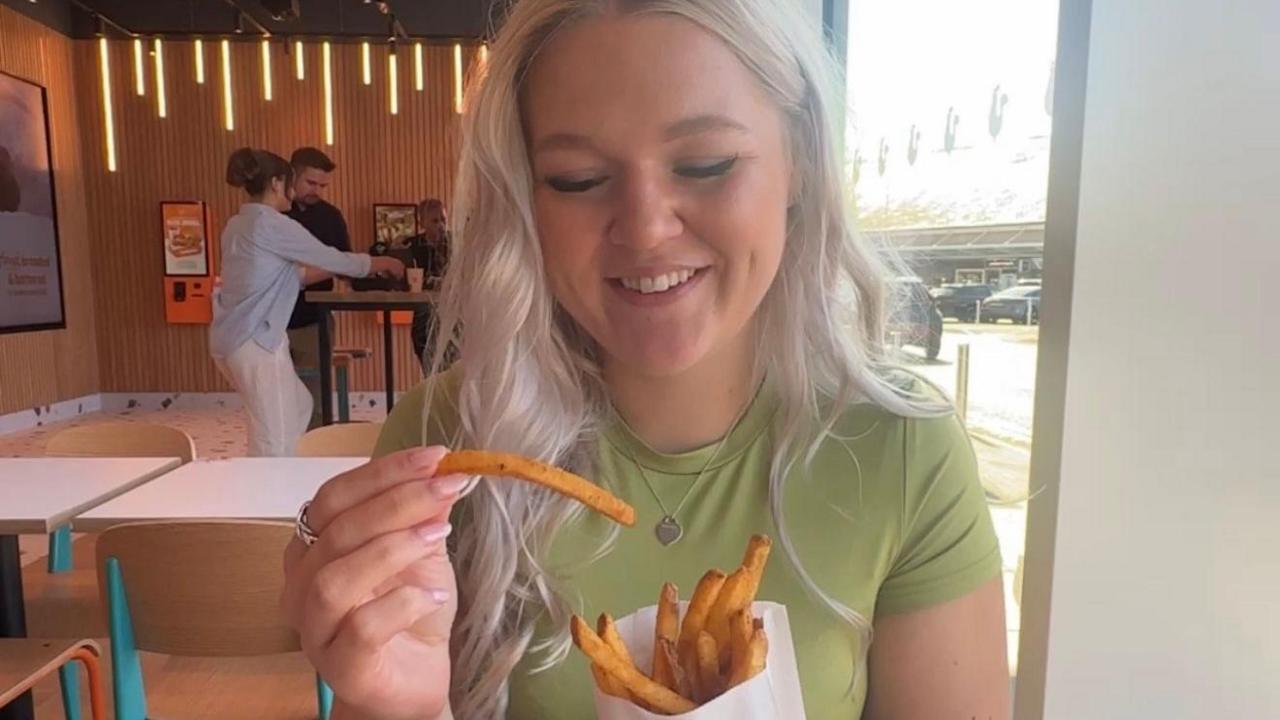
(773, 694)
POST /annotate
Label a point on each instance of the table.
(372, 301)
(41, 495)
(233, 489)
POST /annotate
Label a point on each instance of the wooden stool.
(342, 358)
(25, 662)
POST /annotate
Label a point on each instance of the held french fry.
(666, 626)
(709, 683)
(750, 664)
(643, 689)
(479, 462)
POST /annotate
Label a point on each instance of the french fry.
(751, 663)
(666, 627)
(709, 685)
(608, 632)
(479, 462)
(681, 682)
(739, 591)
(608, 684)
(648, 692)
(740, 631)
(695, 617)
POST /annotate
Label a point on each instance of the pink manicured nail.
(438, 596)
(449, 486)
(426, 457)
(433, 533)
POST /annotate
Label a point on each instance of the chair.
(67, 604)
(195, 589)
(25, 662)
(341, 360)
(341, 440)
(113, 439)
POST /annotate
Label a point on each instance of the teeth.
(657, 284)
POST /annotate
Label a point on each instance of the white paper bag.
(773, 694)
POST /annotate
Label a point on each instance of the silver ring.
(302, 529)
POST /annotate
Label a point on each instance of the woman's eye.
(700, 172)
(572, 185)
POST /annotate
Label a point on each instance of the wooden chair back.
(199, 588)
(122, 439)
(341, 440)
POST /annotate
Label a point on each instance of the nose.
(645, 214)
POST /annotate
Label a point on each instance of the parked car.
(960, 301)
(1013, 304)
(914, 317)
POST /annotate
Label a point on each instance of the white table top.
(38, 495)
(238, 488)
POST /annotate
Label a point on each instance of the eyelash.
(692, 172)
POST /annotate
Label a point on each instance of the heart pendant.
(668, 530)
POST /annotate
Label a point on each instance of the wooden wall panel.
(40, 368)
(380, 157)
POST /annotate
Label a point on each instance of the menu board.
(30, 268)
(186, 246)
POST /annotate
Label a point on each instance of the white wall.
(1166, 575)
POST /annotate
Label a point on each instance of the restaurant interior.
(1147, 579)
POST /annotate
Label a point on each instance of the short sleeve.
(404, 427)
(948, 547)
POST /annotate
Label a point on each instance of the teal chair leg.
(344, 400)
(69, 678)
(60, 550)
(126, 669)
(324, 698)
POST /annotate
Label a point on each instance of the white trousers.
(279, 405)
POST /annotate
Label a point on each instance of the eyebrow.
(689, 126)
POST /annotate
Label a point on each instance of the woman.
(661, 289)
(266, 259)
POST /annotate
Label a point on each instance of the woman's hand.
(374, 598)
(386, 265)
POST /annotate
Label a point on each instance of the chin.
(659, 361)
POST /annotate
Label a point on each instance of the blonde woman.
(652, 242)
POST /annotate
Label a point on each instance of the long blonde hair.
(531, 382)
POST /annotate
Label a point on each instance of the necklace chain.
(668, 529)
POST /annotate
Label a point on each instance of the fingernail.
(433, 533)
(438, 596)
(426, 457)
(449, 486)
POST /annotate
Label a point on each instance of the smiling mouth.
(658, 283)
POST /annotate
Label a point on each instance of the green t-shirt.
(888, 520)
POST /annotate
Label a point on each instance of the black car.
(914, 318)
(1020, 304)
(960, 301)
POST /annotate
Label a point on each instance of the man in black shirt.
(430, 249)
(312, 172)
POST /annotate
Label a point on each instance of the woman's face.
(662, 185)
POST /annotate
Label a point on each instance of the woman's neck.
(692, 409)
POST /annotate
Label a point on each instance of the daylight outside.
(949, 117)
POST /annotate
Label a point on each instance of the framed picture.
(30, 264)
(186, 244)
(394, 224)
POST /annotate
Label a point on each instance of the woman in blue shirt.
(267, 257)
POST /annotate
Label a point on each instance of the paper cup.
(415, 277)
(774, 693)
